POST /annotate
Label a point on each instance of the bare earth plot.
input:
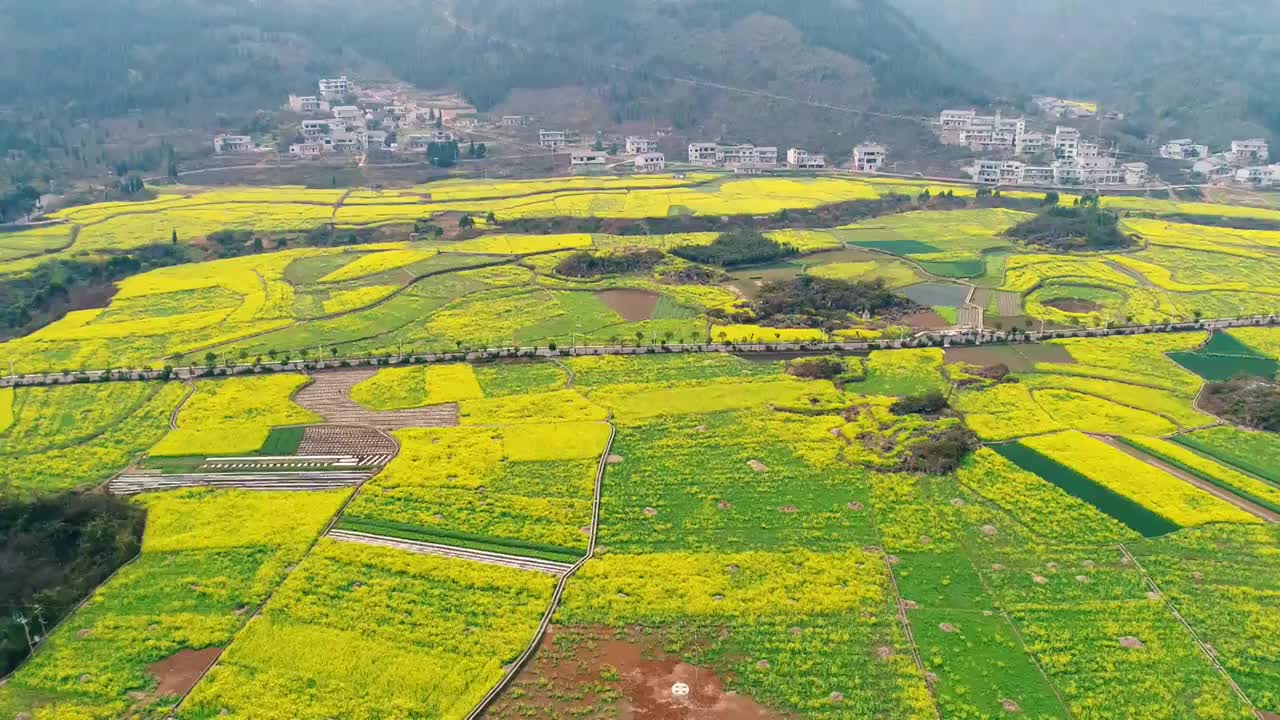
(328, 395)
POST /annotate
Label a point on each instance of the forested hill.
(98, 59)
(1204, 68)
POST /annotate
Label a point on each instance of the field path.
(329, 396)
(1224, 495)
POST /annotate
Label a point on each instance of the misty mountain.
(1205, 68)
(234, 56)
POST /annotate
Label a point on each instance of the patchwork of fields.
(1048, 530)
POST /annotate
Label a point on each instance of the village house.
(348, 113)
(1247, 152)
(1214, 167)
(651, 162)
(637, 145)
(982, 133)
(331, 88)
(869, 157)
(1033, 143)
(552, 139)
(1066, 143)
(227, 144)
(1261, 176)
(513, 121)
(745, 156)
(1136, 173)
(306, 150)
(308, 104)
(588, 161)
(312, 129)
(1183, 149)
(805, 160)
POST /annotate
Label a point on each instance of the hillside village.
(344, 119)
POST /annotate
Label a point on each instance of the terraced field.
(1049, 530)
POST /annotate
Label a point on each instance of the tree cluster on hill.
(587, 265)
(53, 551)
(736, 248)
(827, 298)
(1249, 401)
(1072, 228)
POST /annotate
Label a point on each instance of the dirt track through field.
(1239, 502)
(329, 396)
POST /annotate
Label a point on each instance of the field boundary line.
(248, 617)
(1195, 637)
(173, 416)
(516, 667)
(905, 622)
(1017, 632)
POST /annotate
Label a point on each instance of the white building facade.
(869, 157)
(653, 162)
(227, 144)
(805, 160)
(637, 145)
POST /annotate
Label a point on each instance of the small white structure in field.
(680, 690)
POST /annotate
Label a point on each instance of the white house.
(312, 129)
(1245, 152)
(1066, 143)
(513, 120)
(805, 160)
(306, 150)
(869, 157)
(1033, 143)
(1183, 149)
(416, 141)
(308, 104)
(1136, 173)
(588, 160)
(637, 145)
(552, 139)
(376, 139)
(1262, 176)
(652, 162)
(441, 136)
(335, 87)
(348, 113)
(225, 144)
(982, 133)
(735, 156)
(706, 154)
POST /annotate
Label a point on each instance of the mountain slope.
(1189, 67)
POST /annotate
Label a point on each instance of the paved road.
(920, 340)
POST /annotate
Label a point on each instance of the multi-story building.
(308, 104)
(637, 145)
(552, 139)
(1183, 149)
(1262, 176)
(376, 139)
(312, 129)
(588, 160)
(225, 144)
(869, 157)
(1247, 152)
(735, 156)
(1038, 175)
(348, 113)
(982, 133)
(1066, 143)
(705, 154)
(347, 140)
(513, 120)
(1033, 143)
(331, 88)
(1136, 173)
(805, 160)
(652, 162)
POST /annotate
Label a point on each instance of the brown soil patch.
(883, 653)
(788, 509)
(723, 505)
(178, 673)
(632, 305)
(948, 628)
(1039, 579)
(1010, 706)
(1073, 305)
(1133, 643)
(988, 530)
(633, 664)
(650, 512)
(757, 466)
(926, 320)
(854, 506)
(613, 459)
